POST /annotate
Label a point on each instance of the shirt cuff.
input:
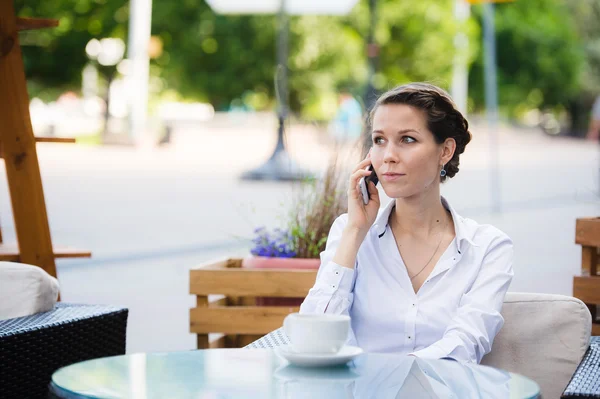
(335, 277)
(431, 352)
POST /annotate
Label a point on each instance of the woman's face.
(404, 152)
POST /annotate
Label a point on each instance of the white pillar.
(460, 76)
(89, 81)
(140, 19)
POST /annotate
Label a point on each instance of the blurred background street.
(151, 214)
(172, 103)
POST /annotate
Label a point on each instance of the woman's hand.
(360, 216)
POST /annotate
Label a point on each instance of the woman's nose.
(390, 155)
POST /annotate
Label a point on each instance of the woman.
(415, 277)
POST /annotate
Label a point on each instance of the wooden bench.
(587, 286)
(232, 311)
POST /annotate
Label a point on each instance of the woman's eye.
(378, 140)
(408, 139)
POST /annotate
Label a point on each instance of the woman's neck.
(420, 216)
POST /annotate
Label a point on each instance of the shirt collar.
(461, 229)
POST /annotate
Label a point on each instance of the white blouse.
(456, 312)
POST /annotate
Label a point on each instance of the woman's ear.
(448, 149)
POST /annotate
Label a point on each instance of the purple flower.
(278, 243)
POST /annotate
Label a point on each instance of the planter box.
(261, 262)
(232, 312)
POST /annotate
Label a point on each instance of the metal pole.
(280, 166)
(282, 73)
(370, 93)
(372, 52)
(491, 101)
(460, 70)
(140, 20)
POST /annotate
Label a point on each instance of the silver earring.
(443, 171)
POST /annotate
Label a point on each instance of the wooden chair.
(587, 286)
(18, 148)
(231, 311)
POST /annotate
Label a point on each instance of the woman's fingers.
(373, 189)
(354, 187)
(356, 176)
(373, 192)
(362, 164)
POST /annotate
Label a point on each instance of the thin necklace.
(432, 255)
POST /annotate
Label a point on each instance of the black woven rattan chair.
(586, 380)
(33, 347)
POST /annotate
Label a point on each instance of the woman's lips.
(392, 176)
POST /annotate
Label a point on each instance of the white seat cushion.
(25, 290)
(544, 338)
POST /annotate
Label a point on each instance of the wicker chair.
(33, 347)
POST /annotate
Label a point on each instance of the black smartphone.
(373, 177)
(363, 183)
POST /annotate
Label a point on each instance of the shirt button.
(333, 286)
(337, 272)
(409, 337)
(413, 304)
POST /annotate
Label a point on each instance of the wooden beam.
(219, 302)
(252, 282)
(589, 260)
(18, 143)
(10, 253)
(587, 232)
(55, 140)
(587, 289)
(224, 341)
(253, 320)
(202, 339)
(36, 23)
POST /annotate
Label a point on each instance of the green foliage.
(539, 55)
(548, 50)
(56, 57)
(315, 208)
(417, 42)
(213, 57)
(586, 14)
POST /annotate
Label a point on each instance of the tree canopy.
(548, 50)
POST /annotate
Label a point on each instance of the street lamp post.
(280, 166)
(370, 93)
(491, 96)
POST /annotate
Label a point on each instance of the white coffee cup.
(317, 333)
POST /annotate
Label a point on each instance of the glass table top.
(261, 373)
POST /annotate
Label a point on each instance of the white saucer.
(345, 354)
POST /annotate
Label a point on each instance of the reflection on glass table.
(260, 373)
